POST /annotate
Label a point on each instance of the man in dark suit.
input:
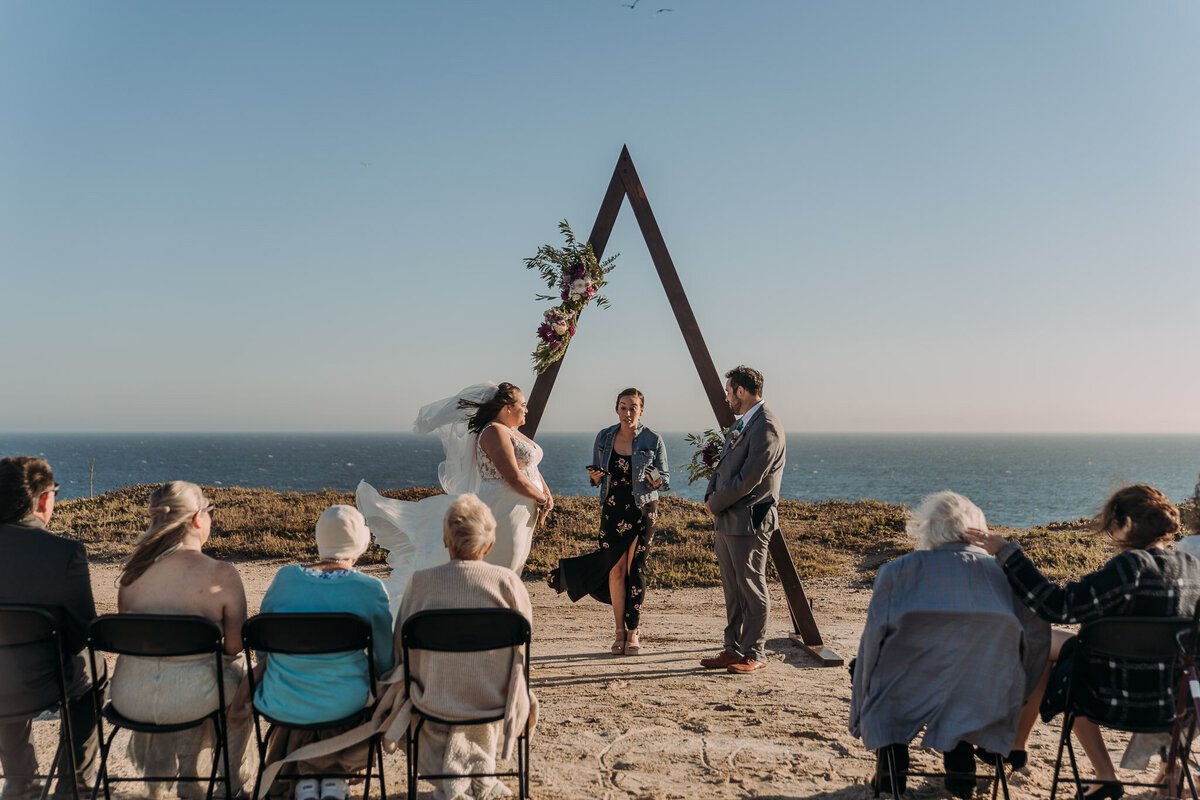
(39, 568)
(743, 497)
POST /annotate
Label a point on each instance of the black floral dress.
(622, 524)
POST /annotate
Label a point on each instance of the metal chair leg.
(224, 723)
(367, 779)
(263, 744)
(1074, 763)
(216, 763)
(1001, 777)
(890, 756)
(382, 779)
(1062, 739)
(66, 728)
(55, 766)
(521, 767)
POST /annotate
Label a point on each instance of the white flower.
(560, 328)
(579, 288)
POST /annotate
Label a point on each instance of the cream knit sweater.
(457, 686)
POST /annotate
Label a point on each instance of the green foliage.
(707, 454)
(574, 271)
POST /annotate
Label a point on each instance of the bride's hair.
(172, 507)
(486, 412)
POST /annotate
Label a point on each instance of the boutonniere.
(734, 438)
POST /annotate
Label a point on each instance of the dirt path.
(658, 726)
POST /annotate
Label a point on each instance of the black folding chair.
(465, 630)
(998, 779)
(160, 636)
(34, 628)
(1137, 643)
(312, 634)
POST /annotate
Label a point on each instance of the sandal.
(618, 645)
(632, 646)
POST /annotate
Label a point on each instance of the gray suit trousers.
(743, 562)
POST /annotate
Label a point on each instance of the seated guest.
(168, 574)
(466, 685)
(1144, 579)
(947, 647)
(310, 689)
(39, 568)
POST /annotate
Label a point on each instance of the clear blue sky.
(910, 216)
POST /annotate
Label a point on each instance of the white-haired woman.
(947, 647)
(303, 690)
(464, 685)
(168, 574)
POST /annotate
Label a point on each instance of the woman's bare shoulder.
(226, 572)
(496, 433)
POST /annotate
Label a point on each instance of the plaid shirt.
(1135, 583)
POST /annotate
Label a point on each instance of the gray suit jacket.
(743, 491)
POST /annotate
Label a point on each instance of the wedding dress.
(411, 532)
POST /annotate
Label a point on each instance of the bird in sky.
(631, 5)
(661, 10)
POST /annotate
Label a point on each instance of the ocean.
(1018, 480)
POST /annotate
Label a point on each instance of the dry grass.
(831, 538)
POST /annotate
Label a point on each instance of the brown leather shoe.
(720, 661)
(744, 666)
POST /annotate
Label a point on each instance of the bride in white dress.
(485, 455)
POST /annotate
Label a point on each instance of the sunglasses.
(56, 488)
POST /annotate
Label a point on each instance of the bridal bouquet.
(708, 453)
(574, 271)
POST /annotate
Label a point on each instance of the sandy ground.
(658, 726)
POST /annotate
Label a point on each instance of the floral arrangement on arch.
(574, 271)
(707, 455)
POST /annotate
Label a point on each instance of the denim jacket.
(648, 451)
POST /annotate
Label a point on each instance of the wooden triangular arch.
(626, 184)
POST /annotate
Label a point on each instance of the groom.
(743, 496)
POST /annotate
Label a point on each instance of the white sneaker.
(308, 789)
(334, 789)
